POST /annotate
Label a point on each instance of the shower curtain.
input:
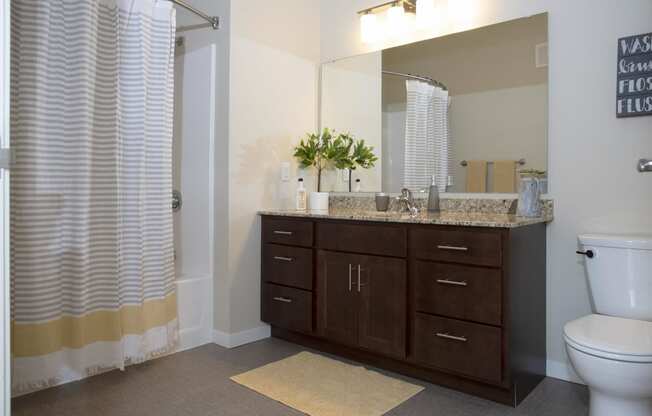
(427, 139)
(91, 223)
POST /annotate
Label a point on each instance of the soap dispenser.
(433, 196)
(302, 204)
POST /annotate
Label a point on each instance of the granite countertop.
(468, 219)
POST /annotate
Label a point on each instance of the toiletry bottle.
(357, 186)
(301, 196)
(433, 197)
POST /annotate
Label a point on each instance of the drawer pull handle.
(453, 248)
(451, 282)
(359, 272)
(282, 299)
(451, 337)
(283, 232)
(280, 258)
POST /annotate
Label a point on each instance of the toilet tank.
(620, 274)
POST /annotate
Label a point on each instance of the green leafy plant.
(326, 150)
(360, 155)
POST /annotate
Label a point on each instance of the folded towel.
(476, 176)
(504, 176)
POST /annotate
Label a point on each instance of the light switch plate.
(285, 171)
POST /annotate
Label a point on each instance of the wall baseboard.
(241, 338)
(563, 371)
(193, 338)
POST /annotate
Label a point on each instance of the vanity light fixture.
(370, 30)
(396, 24)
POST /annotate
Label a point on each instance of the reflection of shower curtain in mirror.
(91, 223)
(427, 142)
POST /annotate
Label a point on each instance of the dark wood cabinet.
(361, 301)
(459, 291)
(383, 297)
(459, 306)
(287, 307)
(462, 347)
(337, 299)
(286, 265)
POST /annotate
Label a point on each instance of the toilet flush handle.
(587, 253)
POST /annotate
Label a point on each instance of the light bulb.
(396, 24)
(425, 13)
(369, 30)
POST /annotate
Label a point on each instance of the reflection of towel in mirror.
(476, 176)
(504, 176)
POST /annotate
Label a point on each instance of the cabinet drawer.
(287, 231)
(461, 347)
(286, 265)
(383, 240)
(463, 292)
(460, 246)
(286, 307)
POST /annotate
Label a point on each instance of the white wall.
(592, 154)
(266, 99)
(274, 56)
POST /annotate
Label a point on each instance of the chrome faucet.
(645, 165)
(408, 202)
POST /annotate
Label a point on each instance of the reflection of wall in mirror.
(351, 102)
(498, 111)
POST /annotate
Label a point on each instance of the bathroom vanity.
(457, 299)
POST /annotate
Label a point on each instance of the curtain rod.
(419, 77)
(213, 20)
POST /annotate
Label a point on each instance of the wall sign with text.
(634, 95)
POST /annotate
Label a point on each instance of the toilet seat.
(611, 338)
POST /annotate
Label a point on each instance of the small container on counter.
(382, 201)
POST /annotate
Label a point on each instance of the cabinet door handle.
(282, 299)
(453, 248)
(451, 282)
(359, 273)
(350, 278)
(283, 232)
(451, 337)
(280, 258)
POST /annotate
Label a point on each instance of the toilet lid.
(627, 337)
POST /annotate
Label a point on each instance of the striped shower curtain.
(427, 137)
(91, 223)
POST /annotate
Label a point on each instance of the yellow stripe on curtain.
(31, 340)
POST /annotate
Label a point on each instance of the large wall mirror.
(470, 109)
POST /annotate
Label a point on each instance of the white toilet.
(612, 349)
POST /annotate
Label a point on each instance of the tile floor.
(196, 383)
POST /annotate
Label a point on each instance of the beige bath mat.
(320, 386)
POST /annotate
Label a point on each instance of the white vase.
(318, 202)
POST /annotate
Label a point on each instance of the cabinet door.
(337, 300)
(383, 298)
